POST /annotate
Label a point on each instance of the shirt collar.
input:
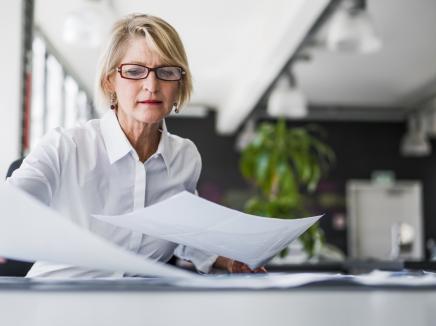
(118, 146)
(164, 146)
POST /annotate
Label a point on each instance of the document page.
(31, 231)
(195, 222)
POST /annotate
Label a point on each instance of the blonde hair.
(161, 37)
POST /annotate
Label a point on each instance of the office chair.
(14, 267)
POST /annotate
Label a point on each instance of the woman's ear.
(108, 84)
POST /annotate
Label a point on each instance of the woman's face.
(146, 100)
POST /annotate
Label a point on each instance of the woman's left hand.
(234, 266)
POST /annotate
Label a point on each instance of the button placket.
(139, 201)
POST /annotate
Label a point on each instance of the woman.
(127, 159)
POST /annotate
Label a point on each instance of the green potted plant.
(284, 164)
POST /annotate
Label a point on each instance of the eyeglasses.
(134, 71)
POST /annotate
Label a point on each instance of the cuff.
(202, 260)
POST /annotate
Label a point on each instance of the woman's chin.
(145, 114)
(150, 117)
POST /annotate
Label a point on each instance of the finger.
(239, 267)
(234, 268)
(260, 270)
(231, 265)
(243, 268)
(246, 269)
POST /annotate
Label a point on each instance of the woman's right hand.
(234, 266)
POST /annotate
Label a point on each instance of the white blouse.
(93, 169)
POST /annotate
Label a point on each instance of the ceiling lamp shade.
(83, 27)
(352, 30)
(287, 100)
(415, 141)
(428, 119)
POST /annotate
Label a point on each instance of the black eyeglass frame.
(119, 69)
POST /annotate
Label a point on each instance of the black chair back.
(14, 267)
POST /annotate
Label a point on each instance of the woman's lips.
(150, 102)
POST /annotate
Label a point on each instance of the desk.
(136, 302)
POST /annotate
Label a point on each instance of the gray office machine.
(385, 220)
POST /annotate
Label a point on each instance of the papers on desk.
(374, 279)
(257, 281)
(398, 278)
(195, 222)
(30, 231)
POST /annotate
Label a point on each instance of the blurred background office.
(362, 74)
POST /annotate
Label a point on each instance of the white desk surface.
(24, 302)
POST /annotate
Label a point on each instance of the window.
(57, 99)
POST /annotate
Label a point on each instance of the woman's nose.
(151, 83)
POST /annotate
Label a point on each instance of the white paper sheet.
(258, 281)
(399, 278)
(190, 220)
(31, 231)
(284, 280)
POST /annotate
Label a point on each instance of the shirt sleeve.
(39, 173)
(202, 260)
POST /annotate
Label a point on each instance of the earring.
(176, 109)
(114, 102)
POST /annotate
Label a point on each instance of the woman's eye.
(134, 72)
(167, 73)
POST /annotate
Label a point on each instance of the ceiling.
(402, 74)
(225, 39)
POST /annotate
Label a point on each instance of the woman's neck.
(143, 137)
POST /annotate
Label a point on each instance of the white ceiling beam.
(267, 62)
